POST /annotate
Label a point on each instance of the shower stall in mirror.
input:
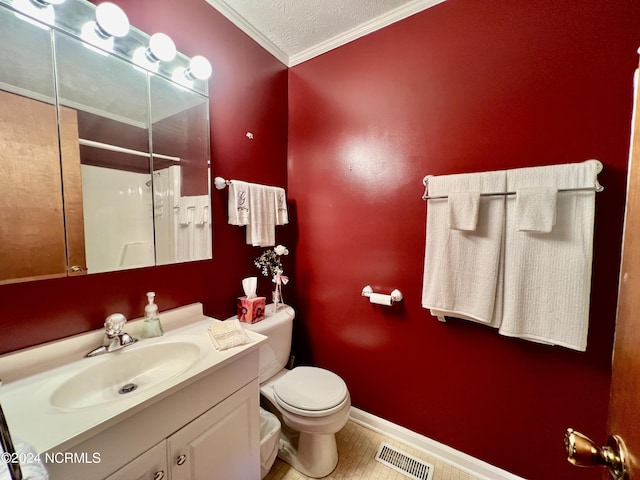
(107, 150)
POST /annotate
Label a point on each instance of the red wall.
(464, 86)
(248, 92)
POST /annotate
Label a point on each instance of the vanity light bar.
(46, 3)
(111, 22)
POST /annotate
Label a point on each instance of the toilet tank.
(275, 351)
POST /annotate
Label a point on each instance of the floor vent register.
(404, 463)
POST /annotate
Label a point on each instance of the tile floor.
(357, 447)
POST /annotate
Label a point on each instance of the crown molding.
(361, 30)
(240, 22)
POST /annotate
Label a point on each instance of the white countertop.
(33, 419)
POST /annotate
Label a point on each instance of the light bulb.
(161, 48)
(199, 67)
(111, 20)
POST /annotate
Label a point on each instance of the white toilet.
(311, 403)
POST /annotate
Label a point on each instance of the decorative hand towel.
(535, 209)
(463, 210)
(462, 268)
(238, 203)
(261, 230)
(201, 213)
(227, 334)
(193, 232)
(186, 210)
(282, 212)
(547, 277)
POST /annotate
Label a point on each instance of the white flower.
(281, 250)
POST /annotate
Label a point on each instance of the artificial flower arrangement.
(269, 264)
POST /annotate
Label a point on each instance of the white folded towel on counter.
(462, 268)
(31, 466)
(547, 276)
(227, 334)
(535, 209)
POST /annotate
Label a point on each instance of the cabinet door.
(151, 465)
(221, 444)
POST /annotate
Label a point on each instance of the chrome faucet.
(114, 337)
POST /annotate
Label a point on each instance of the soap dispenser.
(151, 326)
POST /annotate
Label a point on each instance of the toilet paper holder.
(395, 296)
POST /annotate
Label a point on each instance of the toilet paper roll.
(380, 299)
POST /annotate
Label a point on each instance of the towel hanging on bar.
(597, 187)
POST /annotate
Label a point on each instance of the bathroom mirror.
(180, 139)
(108, 157)
(31, 217)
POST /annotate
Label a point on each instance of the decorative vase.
(276, 297)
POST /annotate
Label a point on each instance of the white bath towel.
(535, 209)
(547, 276)
(462, 268)
(238, 203)
(282, 212)
(463, 210)
(261, 229)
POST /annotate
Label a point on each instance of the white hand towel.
(193, 232)
(227, 334)
(238, 203)
(201, 213)
(463, 210)
(535, 209)
(282, 212)
(31, 470)
(462, 269)
(547, 277)
(186, 210)
(261, 230)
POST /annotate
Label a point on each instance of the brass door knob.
(582, 452)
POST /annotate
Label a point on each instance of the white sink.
(124, 373)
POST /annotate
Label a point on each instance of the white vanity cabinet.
(151, 465)
(219, 444)
(207, 430)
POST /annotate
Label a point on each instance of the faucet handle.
(114, 324)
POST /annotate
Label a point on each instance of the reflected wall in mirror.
(116, 188)
(180, 138)
(85, 191)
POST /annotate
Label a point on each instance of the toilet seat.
(310, 391)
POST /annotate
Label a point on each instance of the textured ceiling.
(296, 30)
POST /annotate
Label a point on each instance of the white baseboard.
(466, 463)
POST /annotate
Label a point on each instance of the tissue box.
(251, 310)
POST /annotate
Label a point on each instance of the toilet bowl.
(311, 403)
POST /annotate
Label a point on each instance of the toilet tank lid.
(311, 388)
(271, 320)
